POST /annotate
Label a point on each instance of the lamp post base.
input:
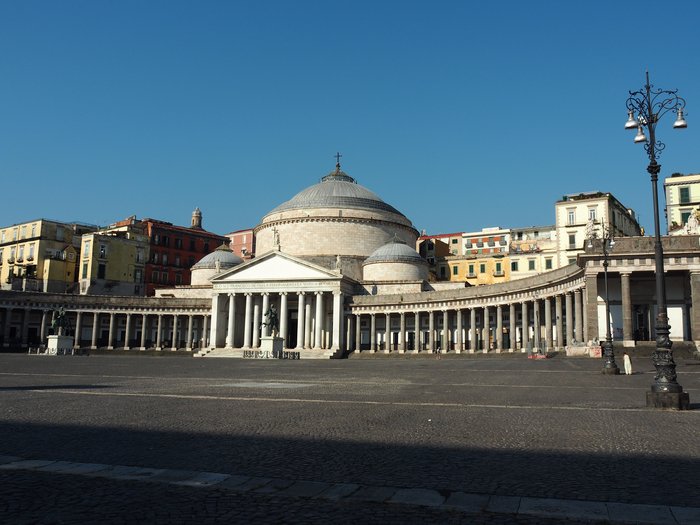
(668, 400)
(610, 367)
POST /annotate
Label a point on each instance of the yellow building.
(40, 255)
(113, 262)
(478, 271)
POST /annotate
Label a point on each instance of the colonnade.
(310, 320)
(548, 323)
(24, 326)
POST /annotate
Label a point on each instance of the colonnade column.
(627, 335)
(499, 328)
(143, 332)
(128, 331)
(110, 339)
(265, 307)
(174, 342)
(536, 321)
(487, 330)
(256, 323)
(431, 328)
(387, 332)
(190, 321)
(402, 332)
(78, 329)
(446, 339)
(318, 337)
(578, 316)
(524, 328)
(358, 333)
(416, 331)
(548, 342)
(230, 331)
(247, 328)
(512, 335)
(95, 323)
(159, 331)
(559, 322)
(373, 333)
(44, 319)
(300, 320)
(283, 318)
(460, 337)
(337, 336)
(569, 319)
(472, 330)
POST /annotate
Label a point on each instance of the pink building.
(242, 243)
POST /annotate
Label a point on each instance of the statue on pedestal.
(272, 320)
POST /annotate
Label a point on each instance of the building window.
(192, 245)
(572, 241)
(166, 240)
(191, 261)
(139, 255)
(455, 269)
(165, 259)
(2, 236)
(60, 234)
(138, 276)
(684, 194)
(442, 272)
(101, 271)
(548, 264)
(31, 252)
(0, 255)
(572, 260)
(592, 214)
(154, 277)
(482, 268)
(164, 277)
(685, 215)
(178, 278)
(33, 230)
(177, 260)
(85, 271)
(571, 217)
(103, 251)
(21, 253)
(178, 244)
(454, 241)
(531, 265)
(471, 270)
(14, 234)
(86, 249)
(155, 257)
(499, 269)
(156, 239)
(514, 266)
(24, 231)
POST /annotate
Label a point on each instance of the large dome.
(336, 190)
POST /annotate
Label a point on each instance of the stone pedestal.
(272, 346)
(59, 345)
(668, 400)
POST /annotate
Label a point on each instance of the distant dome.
(395, 251)
(336, 190)
(223, 255)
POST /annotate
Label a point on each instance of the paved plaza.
(482, 439)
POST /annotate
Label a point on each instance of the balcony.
(498, 273)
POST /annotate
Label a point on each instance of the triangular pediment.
(276, 266)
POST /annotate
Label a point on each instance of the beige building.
(682, 199)
(532, 251)
(40, 255)
(575, 213)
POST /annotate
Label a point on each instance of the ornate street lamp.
(645, 109)
(609, 365)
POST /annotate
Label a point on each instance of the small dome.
(395, 251)
(222, 255)
(336, 190)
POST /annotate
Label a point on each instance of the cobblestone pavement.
(508, 427)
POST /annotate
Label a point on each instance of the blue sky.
(461, 114)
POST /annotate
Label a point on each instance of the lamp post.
(645, 108)
(609, 365)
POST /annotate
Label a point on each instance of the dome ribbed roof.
(336, 190)
(223, 255)
(395, 251)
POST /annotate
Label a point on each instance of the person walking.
(628, 363)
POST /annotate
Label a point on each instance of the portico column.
(318, 341)
(499, 328)
(373, 333)
(578, 316)
(265, 308)
(159, 332)
(307, 324)
(230, 331)
(487, 330)
(512, 332)
(416, 331)
(127, 335)
(559, 322)
(188, 345)
(548, 343)
(78, 329)
(205, 330)
(402, 332)
(300, 320)
(472, 330)
(524, 328)
(247, 329)
(569, 319)
(110, 340)
(337, 337)
(431, 327)
(283, 318)
(358, 333)
(537, 323)
(627, 335)
(95, 323)
(460, 336)
(445, 331)
(387, 333)
(44, 319)
(174, 341)
(256, 323)
(143, 331)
